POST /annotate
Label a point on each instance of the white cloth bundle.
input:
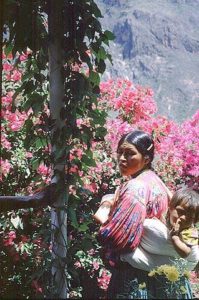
(156, 248)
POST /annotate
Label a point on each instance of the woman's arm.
(124, 226)
(106, 205)
(102, 214)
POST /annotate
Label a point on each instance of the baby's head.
(184, 205)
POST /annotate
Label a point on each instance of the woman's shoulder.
(147, 182)
(139, 180)
(155, 182)
(137, 184)
(145, 179)
(148, 174)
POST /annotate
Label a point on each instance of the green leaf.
(101, 67)
(100, 132)
(73, 217)
(41, 142)
(35, 163)
(101, 53)
(8, 49)
(89, 161)
(87, 244)
(109, 35)
(94, 78)
(110, 58)
(96, 10)
(27, 75)
(83, 227)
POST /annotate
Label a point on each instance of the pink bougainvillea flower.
(7, 67)
(16, 75)
(29, 155)
(9, 238)
(4, 142)
(95, 265)
(5, 168)
(78, 264)
(104, 279)
(43, 169)
(23, 57)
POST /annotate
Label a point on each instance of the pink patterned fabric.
(142, 197)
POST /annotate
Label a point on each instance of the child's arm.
(181, 248)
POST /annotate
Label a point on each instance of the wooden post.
(58, 214)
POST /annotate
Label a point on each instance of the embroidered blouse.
(144, 196)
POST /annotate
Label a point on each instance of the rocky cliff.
(157, 44)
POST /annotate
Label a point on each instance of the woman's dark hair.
(141, 140)
(187, 197)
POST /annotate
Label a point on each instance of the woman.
(144, 195)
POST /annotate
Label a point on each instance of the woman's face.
(130, 160)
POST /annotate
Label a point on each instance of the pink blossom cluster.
(105, 167)
(13, 121)
(9, 238)
(5, 168)
(104, 279)
(115, 129)
(193, 277)
(14, 245)
(12, 73)
(180, 149)
(45, 172)
(83, 122)
(132, 102)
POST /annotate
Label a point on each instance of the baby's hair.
(188, 198)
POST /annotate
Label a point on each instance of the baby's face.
(181, 214)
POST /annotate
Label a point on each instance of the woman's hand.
(108, 198)
(102, 214)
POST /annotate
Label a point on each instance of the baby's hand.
(177, 225)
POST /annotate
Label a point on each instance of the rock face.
(157, 44)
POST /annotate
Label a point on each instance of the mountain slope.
(157, 45)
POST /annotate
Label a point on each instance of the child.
(161, 242)
(183, 214)
(177, 238)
